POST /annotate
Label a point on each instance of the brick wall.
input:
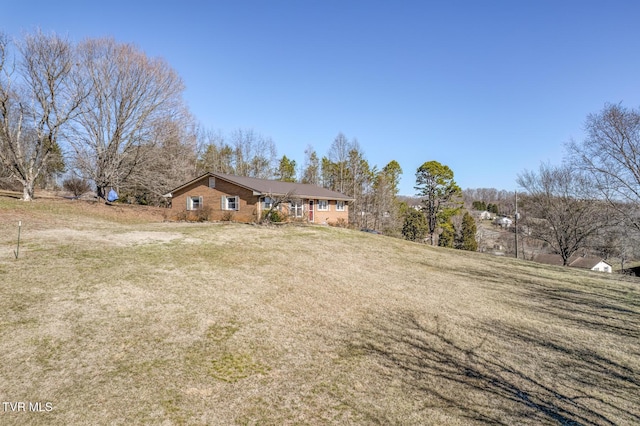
(212, 199)
(248, 204)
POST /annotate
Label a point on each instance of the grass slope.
(112, 317)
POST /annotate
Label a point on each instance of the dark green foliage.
(271, 216)
(448, 235)
(492, 208)
(415, 226)
(468, 234)
(435, 184)
(286, 170)
(479, 205)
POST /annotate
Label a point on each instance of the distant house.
(485, 215)
(503, 222)
(593, 263)
(244, 199)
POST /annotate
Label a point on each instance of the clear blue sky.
(488, 87)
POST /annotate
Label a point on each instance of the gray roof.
(274, 187)
(576, 261)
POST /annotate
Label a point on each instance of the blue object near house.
(112, 196)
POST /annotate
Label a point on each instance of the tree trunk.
(27, 191)
(100, 191)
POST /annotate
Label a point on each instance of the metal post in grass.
(17, 250)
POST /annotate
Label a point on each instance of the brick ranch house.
(244, 199)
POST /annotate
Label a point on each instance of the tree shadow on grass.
(477, 384)
(602, 311)
(607, 304)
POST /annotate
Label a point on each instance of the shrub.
(77, 186)
(227, 217)
(340, 223)
(203, 214)
(272, 216)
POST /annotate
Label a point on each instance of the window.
(340, 206)
(295, 208)
(230, 202)
(268, 202)
(212, 182)
(323, 205)
(194, 203)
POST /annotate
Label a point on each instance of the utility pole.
(516, 223)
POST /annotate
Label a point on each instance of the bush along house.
(219, 196)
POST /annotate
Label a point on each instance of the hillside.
(112, 316)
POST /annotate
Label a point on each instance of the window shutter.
(222, 206)
(200, 199)
(237, 202)
(188, 203)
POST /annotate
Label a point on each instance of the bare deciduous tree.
(339, 155)
(276, 201)
(167, 160)
(560, 208)
(610, 154)
(214, 154)
(131, 94)
(311, 171)
(37, 99)
(255, 155)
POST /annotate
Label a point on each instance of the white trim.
(190, 200)
(296, 208)
(319, 205)
(340, 205)
(225, 202)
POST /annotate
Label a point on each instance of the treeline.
(102, 114)
(344, 168)
(100, 111)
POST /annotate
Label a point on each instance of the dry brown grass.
(115, 317)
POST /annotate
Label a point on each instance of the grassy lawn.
(112, 316)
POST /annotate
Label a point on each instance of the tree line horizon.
(103, 113)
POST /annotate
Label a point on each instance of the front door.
(310, 210)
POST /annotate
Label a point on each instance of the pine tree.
(435, 184)
(468, 233)
(286, 170)
(448, 235)
(415, 226)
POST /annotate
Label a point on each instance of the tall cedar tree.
(415, 226)
(468, 234)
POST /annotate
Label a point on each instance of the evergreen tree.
(415, 226)
(327, 174)
(286, 170)
(434, 182)
(448, 235)
(468, 234)
(479, 205)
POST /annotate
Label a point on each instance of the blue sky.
(488, 87)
